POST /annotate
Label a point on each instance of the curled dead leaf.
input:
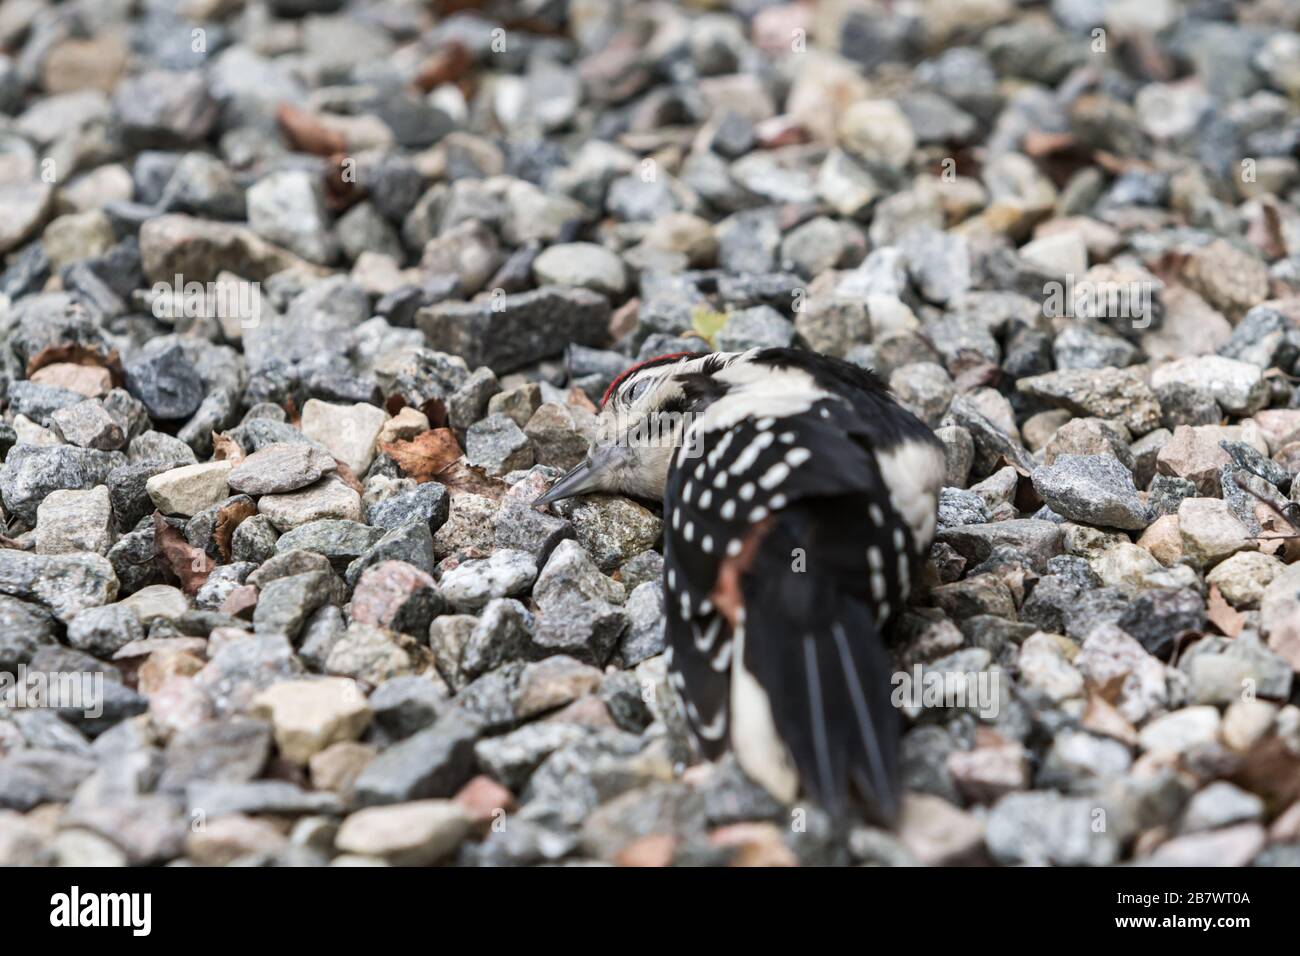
(77, 354)
(435, 409)
(178, 558)
(425, 455)
(1102, 717)
(228, 519)
(341, 188)
(1271, 770)
(307, 133)
(348, 477)
(447, 65)
(225, 448)
(1223, 615)
(461, 477)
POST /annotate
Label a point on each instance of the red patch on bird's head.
(639, 366)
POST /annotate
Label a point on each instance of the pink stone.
(386, 590)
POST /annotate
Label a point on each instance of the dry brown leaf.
(425, 455)
(77, 354)
(461, 477)
(1101, 717)
(225, 448)
(1272, 771)
(1278, 538)
(1222, 614)
(1169, 267)
(435, 409)
(341, 189)
(976, 372)
(1264, 231)
(1003, 461)
(1038, 143)
(228, 519)
(446, 65)
(307, 133)
(188, 564)
(348, 477)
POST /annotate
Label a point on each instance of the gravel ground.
(304, 302)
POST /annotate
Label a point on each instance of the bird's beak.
(591, 475)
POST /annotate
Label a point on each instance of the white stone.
(879, 132)
(1211, 531)
(1244, 577)
(1246, 722)
(405, 834)
(189, 489)
(582, 264)
(309, 715)
(348, 432)
(1062, 254)
(1043, 665)
(1180, 731)
(472, 584)
(68, 521)
(30, 433)
(157, 601)
(1237, 386)
(331, 497)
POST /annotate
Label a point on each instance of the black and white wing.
(784, 557)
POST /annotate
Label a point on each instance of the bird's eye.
(636, 390)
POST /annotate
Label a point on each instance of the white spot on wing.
(774, 476)
(745, 460)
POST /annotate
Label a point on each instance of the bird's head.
(645, 416)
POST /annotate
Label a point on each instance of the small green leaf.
(707, 322)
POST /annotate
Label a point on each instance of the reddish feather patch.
(657, 360)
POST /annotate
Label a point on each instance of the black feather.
(812, 631)
(812, 642)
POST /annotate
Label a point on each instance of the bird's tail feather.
(816, 651)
